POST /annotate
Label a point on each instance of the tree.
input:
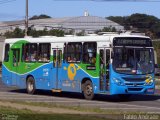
(82, 33)
(144, 23)
(70, 32)
(107, 29)
(16, 33)
(118, 19)
(156, 29)
(56, 32)
(19, 33)
(53, 32)
(42, 16)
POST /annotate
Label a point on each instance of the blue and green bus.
(104, 64)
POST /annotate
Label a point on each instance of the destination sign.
(144, 42)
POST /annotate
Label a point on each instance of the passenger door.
(15, 64)
(104, 68)
(57, 65)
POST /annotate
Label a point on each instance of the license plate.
(150, 90)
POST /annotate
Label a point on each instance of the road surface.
(145, 103)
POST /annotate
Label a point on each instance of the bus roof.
(53, 39)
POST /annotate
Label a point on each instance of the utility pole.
(26, 19)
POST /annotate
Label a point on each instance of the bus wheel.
(88, 90)
(31, 85)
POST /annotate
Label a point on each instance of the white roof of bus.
(53, 39)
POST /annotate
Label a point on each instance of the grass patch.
(80, 108)
(25, 114)
(15, 114)
(8, 113)
(85, 109)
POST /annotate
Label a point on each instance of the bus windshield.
(133, 60)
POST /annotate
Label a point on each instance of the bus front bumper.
(132, 90)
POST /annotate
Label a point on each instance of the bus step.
(56, 90)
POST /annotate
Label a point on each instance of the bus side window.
(65, 52)
(74, 52)
(33, 52)
(89, 52)
(6, 55)
(44, 52)
(23, 53)
(26, 53)
(30, 52)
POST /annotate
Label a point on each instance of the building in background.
(86, 23)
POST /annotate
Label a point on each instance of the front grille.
(134, 84)
(135, 89)
(135, 79)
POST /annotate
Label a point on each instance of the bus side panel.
(68, 80)
(81, 74)
(43, 77)
(6, 76)
(72, 78)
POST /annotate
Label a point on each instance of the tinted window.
(44, 52)
(89, 52)
(133, 60)
(6, 55)
(30, 52)
(57, 58)
(74, 51)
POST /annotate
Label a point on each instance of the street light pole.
(26, 19)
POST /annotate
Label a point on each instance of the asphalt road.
(146, 103)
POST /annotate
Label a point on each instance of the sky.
(15, 9)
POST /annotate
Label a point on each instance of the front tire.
(88, 90)
(31, 85)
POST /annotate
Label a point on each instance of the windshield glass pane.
(133, 60)
(145, 63)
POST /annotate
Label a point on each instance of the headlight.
(118, 81)
(149, 82)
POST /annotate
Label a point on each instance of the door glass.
(107, 66)
(16, 55)
(104, 69)
(101, 69)
(57, 58)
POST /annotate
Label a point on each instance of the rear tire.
(88, 90)
(31, 85)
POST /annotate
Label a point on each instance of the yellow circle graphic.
(71, 71)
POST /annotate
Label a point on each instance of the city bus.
(119, 64)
